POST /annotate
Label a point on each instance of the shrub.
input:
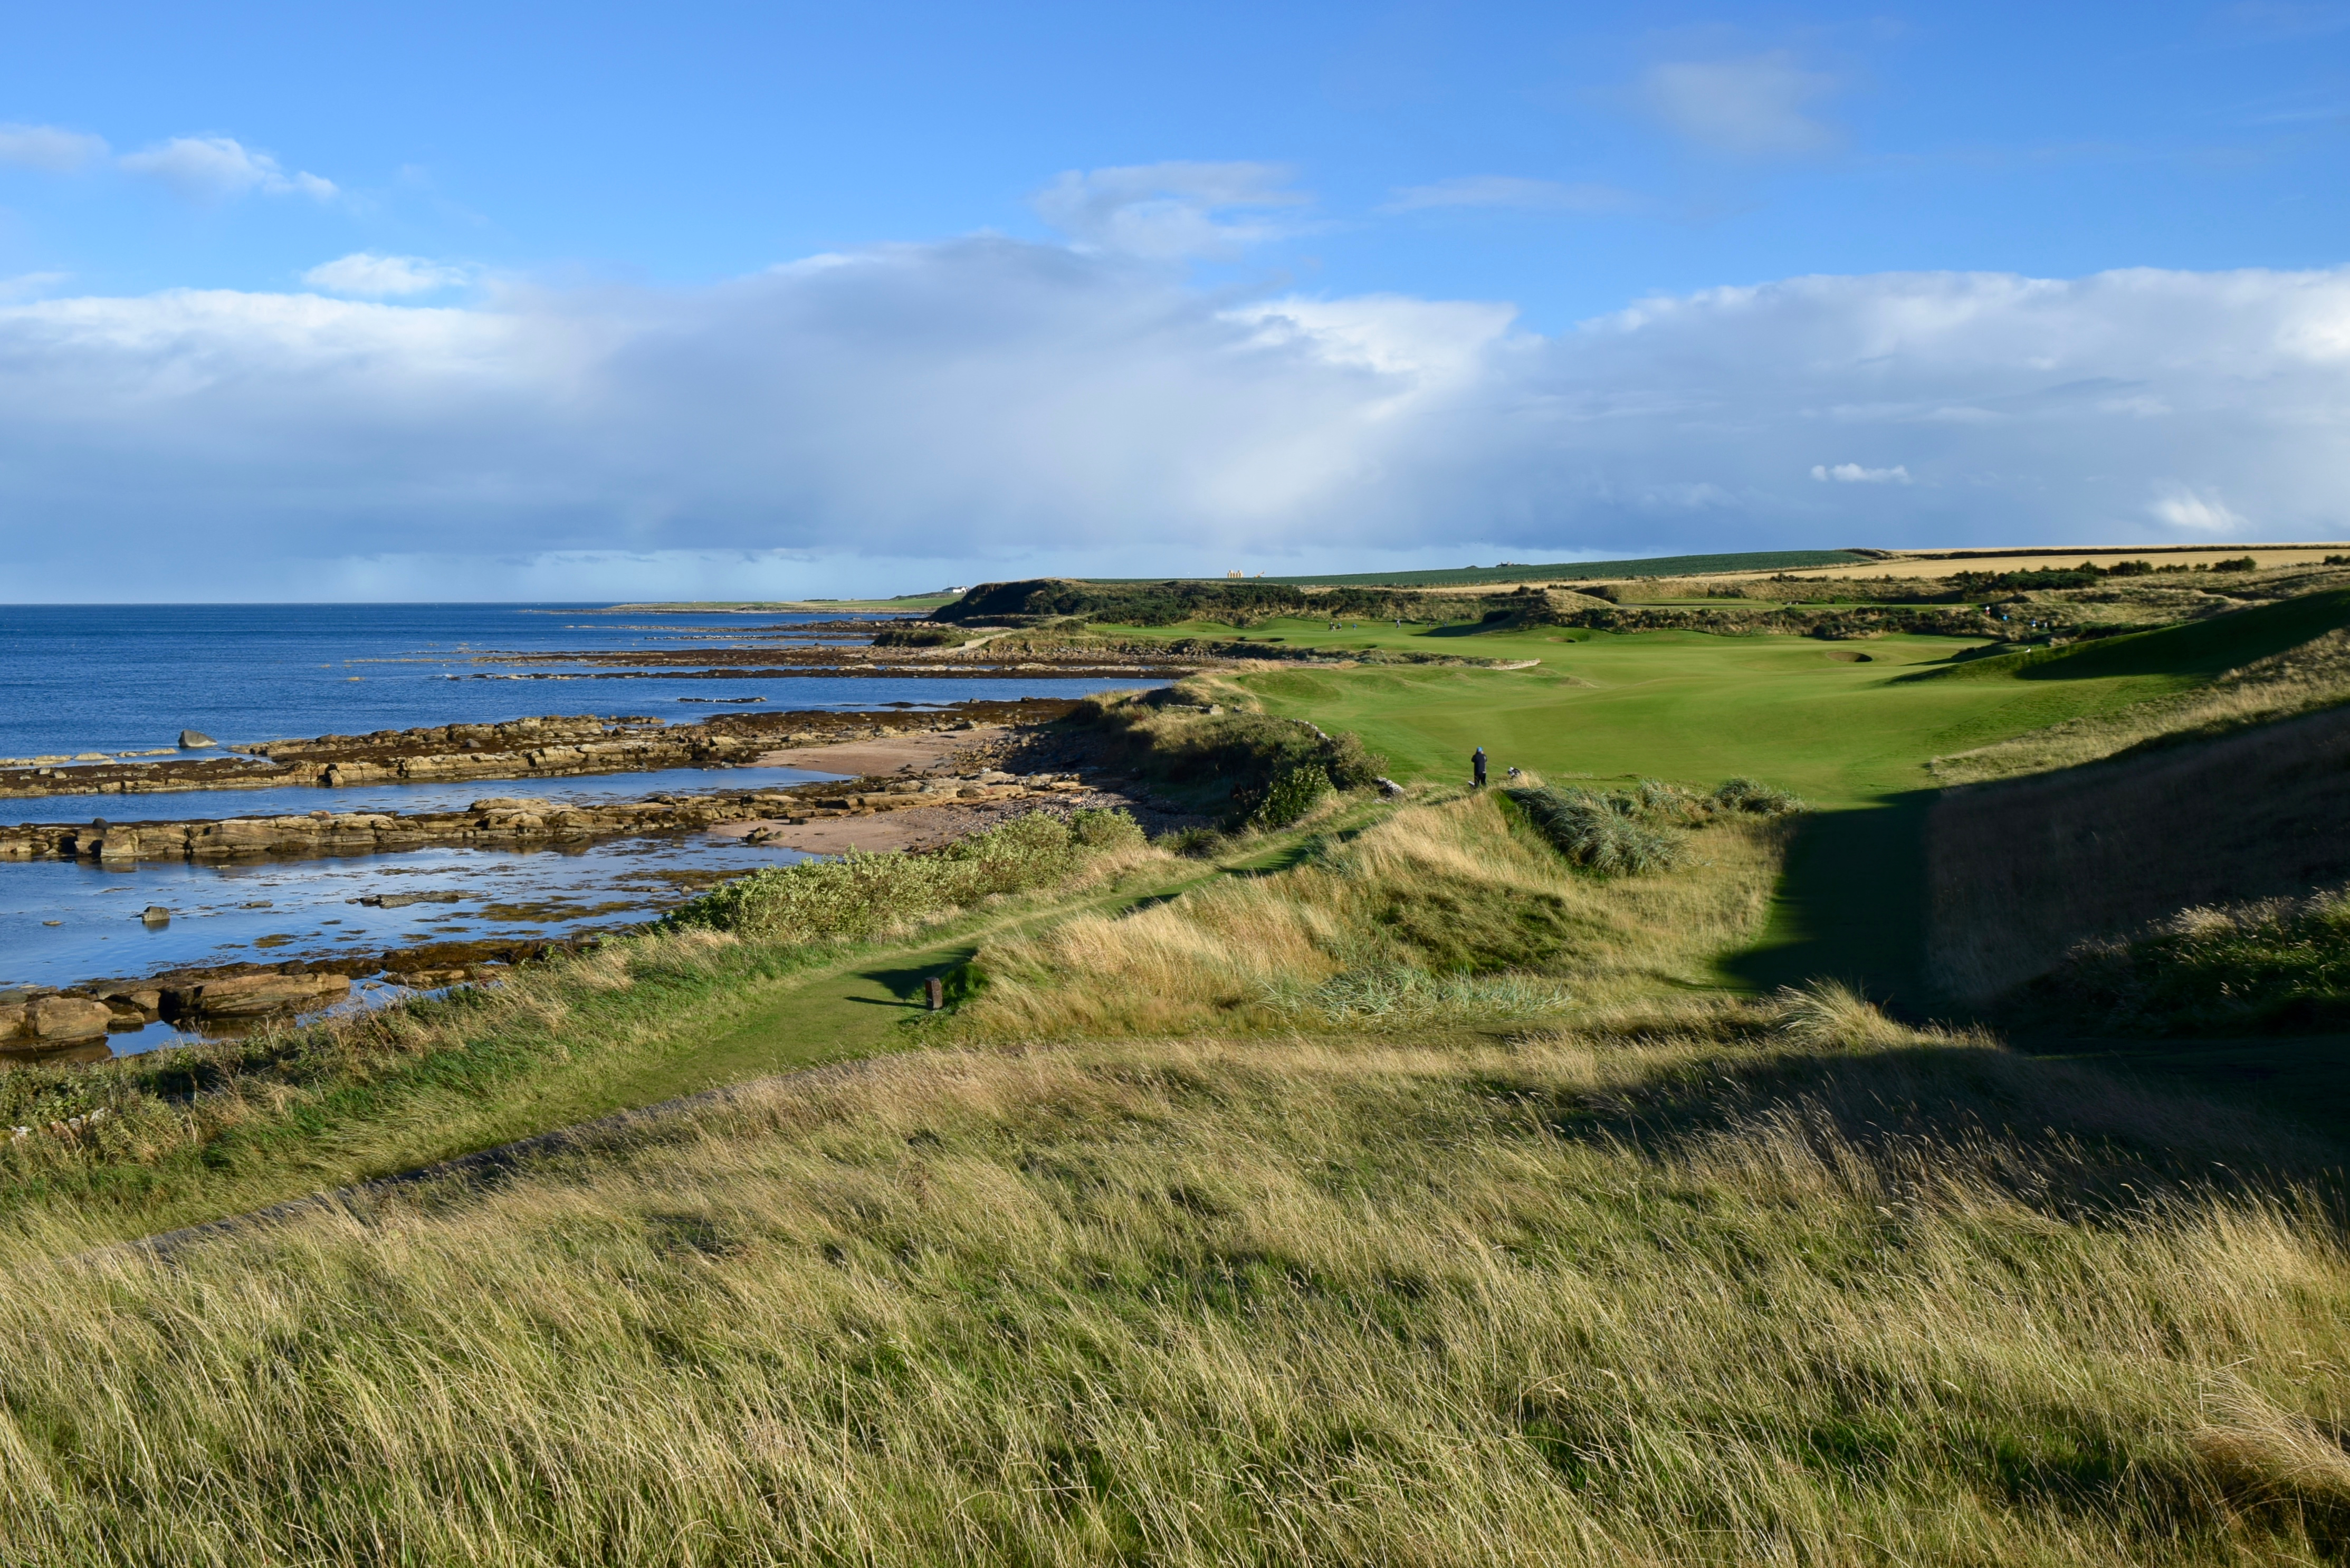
(918, 635)
(1195, 842)
(1618, 833)
(861, 893)
(1290, 795)
(1240, 604)
(1670, 801)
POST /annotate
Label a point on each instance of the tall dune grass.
(1718, 1282)
(1420, 915)
(858, 895)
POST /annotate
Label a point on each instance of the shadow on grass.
(2068, 1142)
(1850, 906)
(905, 984)
(2303, 1078)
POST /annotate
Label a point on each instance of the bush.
(861, 893)
(1290, 795)
(1196, 843)
(919, 636)
(1670, 801)
(1241, 604)
(1618, 833)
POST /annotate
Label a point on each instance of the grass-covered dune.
(1419, 1179)
(2198, 650)
(1559, 1252)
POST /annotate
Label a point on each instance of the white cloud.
(1752, 108)
(372, 277)
(49, 148)
(30, 284)
(1163, 211)
(217, 168)
(1510, 191)
(998, 404)
(1853, 473)
(2180, 505)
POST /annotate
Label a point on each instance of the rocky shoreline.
(949, 775)
(498, 822)
(555, 746)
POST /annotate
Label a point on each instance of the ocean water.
(114, 679)
(118, 678)
(64, 922)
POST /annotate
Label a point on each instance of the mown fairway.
(1807, 715)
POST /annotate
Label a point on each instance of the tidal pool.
(63, 923)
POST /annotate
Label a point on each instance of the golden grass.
(1275, 951)
(1715, 1281)
(1935, 563)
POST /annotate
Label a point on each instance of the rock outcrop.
(556, 746)
(36, 1017)
(502, 822)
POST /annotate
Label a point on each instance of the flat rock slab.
(916, 828)
(922, 754)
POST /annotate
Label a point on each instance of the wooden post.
(934, 992)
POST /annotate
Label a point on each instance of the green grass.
(1853, 738)
(198, 1132)
(1390, 1190)
(1679, 705)
(2185, 654)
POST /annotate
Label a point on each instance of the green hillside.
(2192, 651)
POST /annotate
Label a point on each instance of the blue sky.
(809, 299)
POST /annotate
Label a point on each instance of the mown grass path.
(670, 1034)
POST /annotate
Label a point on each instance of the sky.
(586, 302)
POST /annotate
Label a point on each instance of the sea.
(112, 679)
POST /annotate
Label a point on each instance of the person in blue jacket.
(1477, 761)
